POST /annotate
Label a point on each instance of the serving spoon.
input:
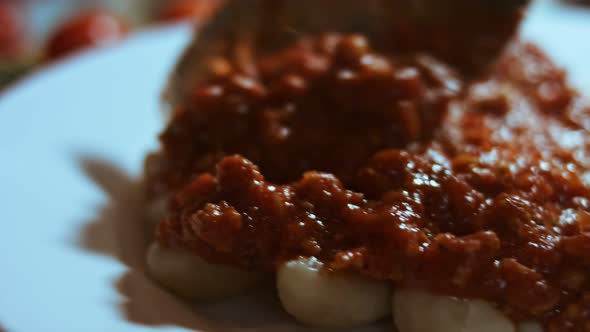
(466, 33)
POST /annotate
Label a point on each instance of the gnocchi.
(319, 298)
(156, 210)
(420, 311)
(530, 327)
(191, 277)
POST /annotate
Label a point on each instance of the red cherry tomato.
(183, 10)
(89, 29)
(12, 31)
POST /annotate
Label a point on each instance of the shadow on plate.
(118, 231)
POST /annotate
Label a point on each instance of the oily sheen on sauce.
(394, 167)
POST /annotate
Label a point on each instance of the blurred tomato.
(179, 10)
(90, 29)
(12, 30)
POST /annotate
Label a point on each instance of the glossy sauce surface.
(394, 167)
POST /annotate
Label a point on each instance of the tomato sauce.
(396, 167)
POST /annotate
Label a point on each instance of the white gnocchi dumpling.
(155, 211)
(530, 327)
(152, 164)
(191, 277)
(319, 298)
(420, 311)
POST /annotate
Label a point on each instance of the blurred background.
(35, 33)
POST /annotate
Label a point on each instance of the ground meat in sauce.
(393, 167)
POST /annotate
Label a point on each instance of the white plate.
(72, 139)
